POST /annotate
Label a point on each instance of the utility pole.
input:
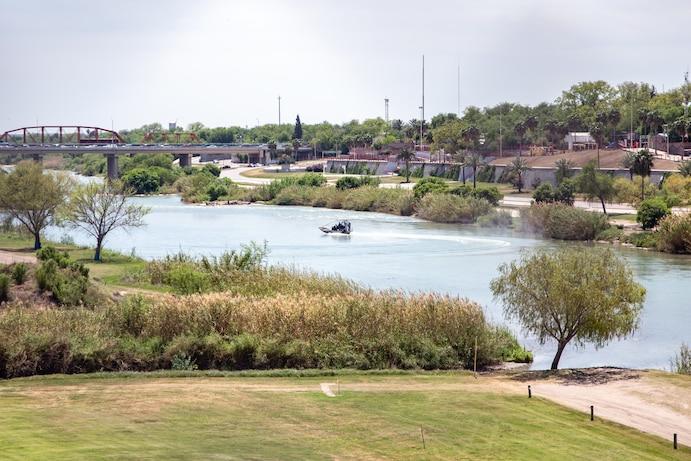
(459, 91)
(279, 110)
(501, 152)
(631, 120)
(386, 110)
(422, 107)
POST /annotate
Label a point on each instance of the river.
(386, 251)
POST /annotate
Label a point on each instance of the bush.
(311, 180)
(564, 193)
(212, 169)
(353, 182)
(651, 211)
(142, 180)
(19, 273)
(429, 185)
(452, 208)
(674, 234)
(216, 190)
(4, 288)
(641, 239)
(294, 195)
(500, 218)
(627, 191)
(682, 361)
(491, 193)
(678, 188)
(67, 280)
(563, 222)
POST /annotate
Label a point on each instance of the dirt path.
(637, 400)
(11, 257)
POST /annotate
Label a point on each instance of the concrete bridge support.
(185, 160)
(112, 160)
(38, 158)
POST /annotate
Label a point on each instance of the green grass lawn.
(375, 417)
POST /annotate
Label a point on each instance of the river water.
(387, 251)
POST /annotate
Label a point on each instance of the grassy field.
(374, 417)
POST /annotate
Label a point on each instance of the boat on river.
(340, 227)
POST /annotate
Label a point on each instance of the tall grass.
(674, 234)
(563, 222)
(451, 208)
(359, 329)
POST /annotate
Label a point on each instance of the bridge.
(37, 141)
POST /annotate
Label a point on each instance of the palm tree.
(642, 165)
(520, 130)
(517, 167)
(474, 162)
(613, 119)
(596, 132)
(564, 169)
(654, 120)
(406, 155)
(531, 124)
(627, 162)
(685, 168)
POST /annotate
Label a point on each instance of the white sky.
(225, 62)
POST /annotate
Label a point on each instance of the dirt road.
(11, 257)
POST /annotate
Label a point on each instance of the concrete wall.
(383, 167)
(548, 174)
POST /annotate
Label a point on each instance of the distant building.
(580, 140)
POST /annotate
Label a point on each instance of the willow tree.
(99, 209)
(32, 198)
(580, 295)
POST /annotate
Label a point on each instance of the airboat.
(340, 227)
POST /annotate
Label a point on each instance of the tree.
(31, 197)
(597, 132)
(99, 209)
(613, 119)
(642, 165)
(406, 155)
(595, 184)
(564, 170)
(474, 161)
(297, 133)
(685, 168)
(519, 129)
(517, 167)
(585, 295)
(531, 124)
(627, 162)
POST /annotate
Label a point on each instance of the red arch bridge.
(37, 141)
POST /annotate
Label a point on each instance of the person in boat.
(342, 226)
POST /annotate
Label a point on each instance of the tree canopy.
(581, 295)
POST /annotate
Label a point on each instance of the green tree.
(33, 198)
(98, 209)
(519, 129)
(517, 167)
(142, 180)
(597, 132)
(642, 166)
(406, 155)
(627, 162)
(585, 295)
(297, 132)
(564, 170)
(685, 168)
(595, 184)
(651, 211)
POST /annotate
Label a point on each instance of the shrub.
(429, 185)
(353, 182)
(311, 180)
(142, 180)
(544, 193)
(294, 195)
(674, 234)
(682, 361)
(679, 187)
(610, 234)
(19, 273)
(491, 193)
(216, 190)
(563, 222)
(4, 288)
(212, 169)
(651, 211)
(627, 191)
(641, 239)
(452, 208)
(500, 218)
(67, 280)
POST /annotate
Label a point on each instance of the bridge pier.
(185, 160)
(112, 160)
(38, 158)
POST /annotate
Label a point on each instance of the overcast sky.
(225, 62)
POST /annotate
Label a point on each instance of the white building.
(580, 140)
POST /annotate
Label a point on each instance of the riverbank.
(372, 416)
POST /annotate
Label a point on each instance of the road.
(612, 208)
